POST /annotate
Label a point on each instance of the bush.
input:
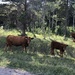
(61, 31)
(70, 51)
(38, 45)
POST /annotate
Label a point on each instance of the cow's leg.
(61, 53)
(57, 53)
(6, 47)
(52, 52)
(24, 48)
(10, 48)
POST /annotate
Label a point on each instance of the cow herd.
(24, 41)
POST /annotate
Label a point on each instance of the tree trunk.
(24, 29)
(73, 22)
(52, 21)
(49, 21)
(53, 27)
(66, 24)
(24, 25)
(18, 23)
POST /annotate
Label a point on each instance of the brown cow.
(58, 45)
(73, 36)
(17, 41)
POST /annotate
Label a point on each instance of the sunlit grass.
(8, 32)
(29, 34)
(34, 61)
(38, 63)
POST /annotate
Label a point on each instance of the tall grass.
(38, 59)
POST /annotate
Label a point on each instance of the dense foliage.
(31, 14)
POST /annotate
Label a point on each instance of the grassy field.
(38, 59)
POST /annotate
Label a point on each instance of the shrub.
(38, 45)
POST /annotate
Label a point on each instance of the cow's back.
(57, 45)
(15, 40)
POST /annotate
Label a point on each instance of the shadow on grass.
(38, 64)
(38, 45)
(2, 42)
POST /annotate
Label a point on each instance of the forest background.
(41, 19)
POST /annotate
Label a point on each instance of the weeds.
(37, 60)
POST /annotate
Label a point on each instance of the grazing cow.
(17, 41)
(58, 45)
(73, 36)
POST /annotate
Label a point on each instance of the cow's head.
(28, 39)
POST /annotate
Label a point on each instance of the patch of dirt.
(8, 71)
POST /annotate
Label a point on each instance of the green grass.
(38, 59)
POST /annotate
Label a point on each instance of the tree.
(44, 14)
(72, 3)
